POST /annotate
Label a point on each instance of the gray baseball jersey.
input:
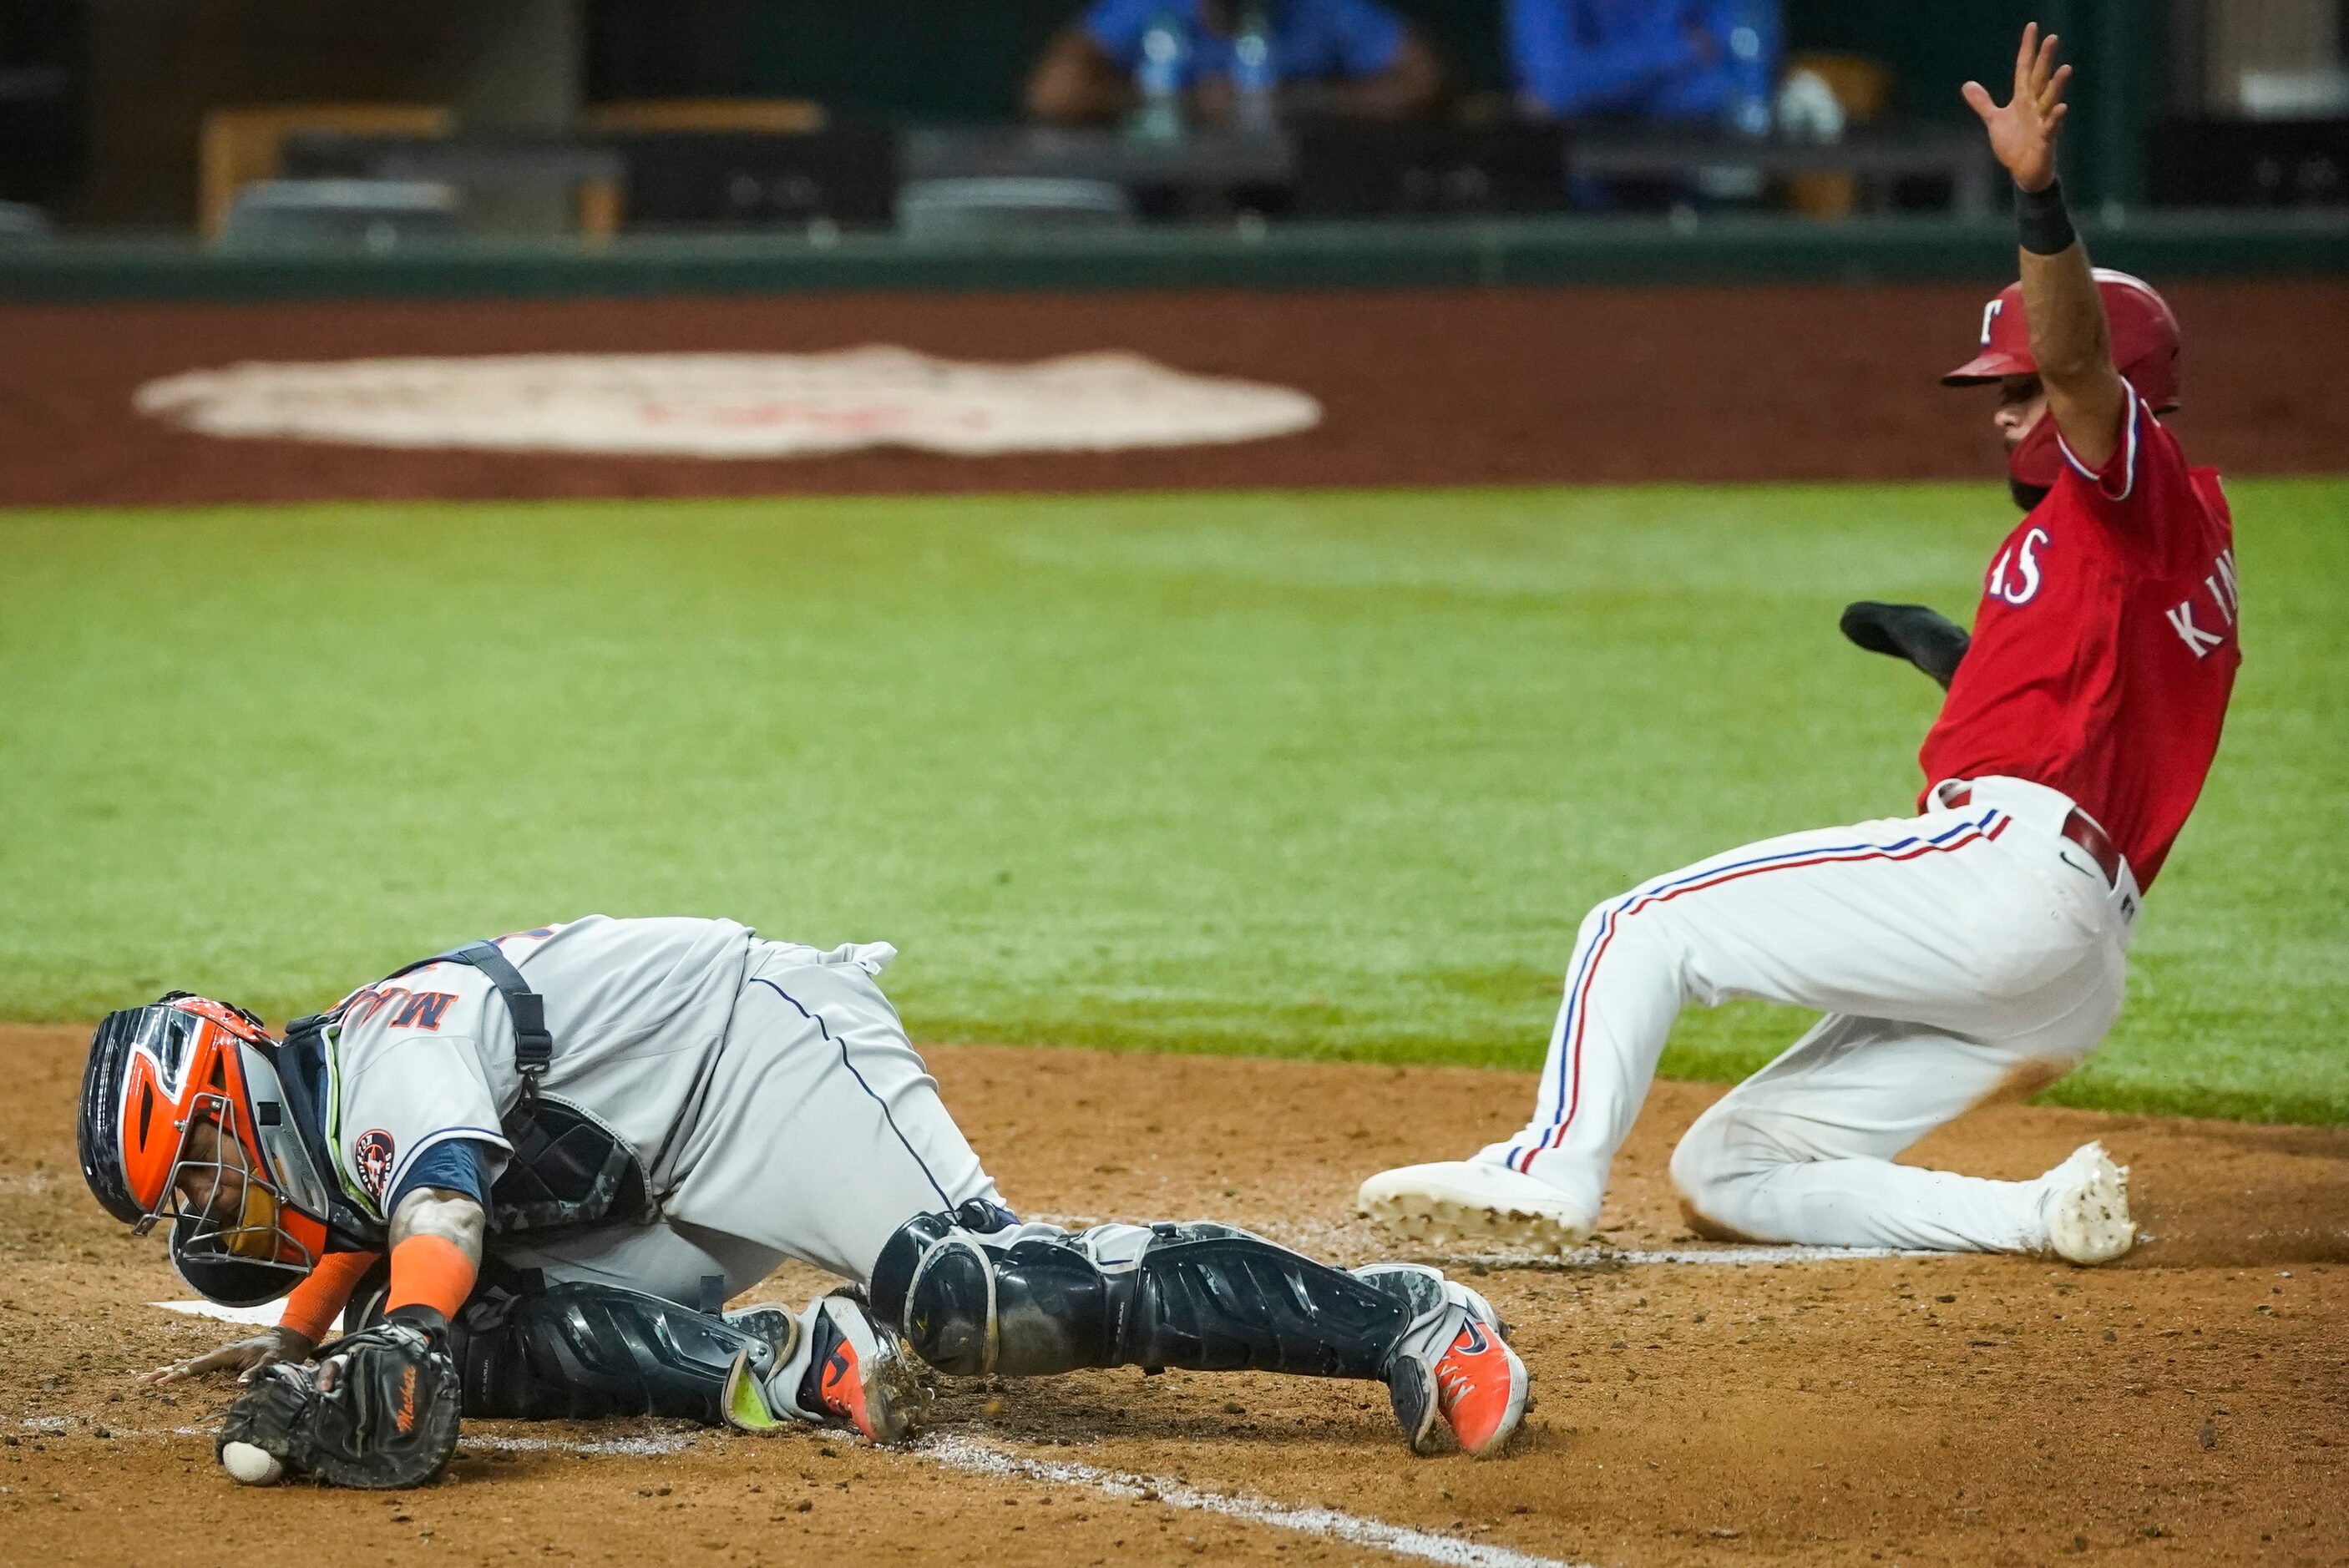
(766, 1089)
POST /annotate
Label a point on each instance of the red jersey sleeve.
(2137, 487)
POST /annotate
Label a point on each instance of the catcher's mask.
(2145, 343)
(157, 1074)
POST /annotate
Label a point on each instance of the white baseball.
(251, 1466)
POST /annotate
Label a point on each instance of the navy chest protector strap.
(533, 1047)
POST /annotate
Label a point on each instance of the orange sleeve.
(311, 1310)
(430, 1271)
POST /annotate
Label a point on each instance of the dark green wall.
(1931, 46)
(922, 60)
(2118, 48)
(1539, 255)
(1547, 252)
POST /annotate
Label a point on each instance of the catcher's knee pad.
(1023, 1300)
(578, 1351)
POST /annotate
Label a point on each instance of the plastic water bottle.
(1158, 78)
(1752, 47)
(1808, 109)
(1255, 79)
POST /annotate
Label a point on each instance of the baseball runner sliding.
(528, 1173)
(1977, 948)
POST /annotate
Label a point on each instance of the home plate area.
(1691, 1403)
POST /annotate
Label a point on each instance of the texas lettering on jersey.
(2024, 557)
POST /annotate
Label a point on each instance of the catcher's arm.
(436, 1255)
(310, 1312)
(455, 1217)
(1926, 639)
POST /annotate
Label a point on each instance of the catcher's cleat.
(1481, 1387)
(1452, 1362)
(1462, 1200)
(775, 1325)
(2086, 1207)
(856, 1372)
(744, 1403)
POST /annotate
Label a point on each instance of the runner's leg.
(1801, 1151)
(1933, 920)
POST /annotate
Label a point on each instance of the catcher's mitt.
(389, 1421)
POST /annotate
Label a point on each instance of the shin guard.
(1025, 1300)
(580, 1351)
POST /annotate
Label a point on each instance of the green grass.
(1328, 775)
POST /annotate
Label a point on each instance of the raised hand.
(2022, 131)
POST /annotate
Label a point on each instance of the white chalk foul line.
(645, 1447)
(968, 1454)
(1746, 1256)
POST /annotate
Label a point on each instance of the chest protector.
(569, 1171)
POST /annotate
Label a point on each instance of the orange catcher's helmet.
(155, 1075)
(2145, 341)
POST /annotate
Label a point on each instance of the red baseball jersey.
(2105, 649)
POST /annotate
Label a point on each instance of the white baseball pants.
(1959, 955)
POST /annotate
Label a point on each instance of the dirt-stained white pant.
(1958, 956)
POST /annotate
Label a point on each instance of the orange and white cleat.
(846, 1370)
(1481, 1388)
(1452, 1362)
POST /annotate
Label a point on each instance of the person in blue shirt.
(1349, 58)
(1670, 60)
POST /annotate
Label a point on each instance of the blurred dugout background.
(431, 119)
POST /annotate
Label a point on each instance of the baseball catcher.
(526, 1175)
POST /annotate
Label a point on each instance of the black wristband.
(416, 1315)
(2041, 219)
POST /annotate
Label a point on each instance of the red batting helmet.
(2145, 349)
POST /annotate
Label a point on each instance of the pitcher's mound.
(731, 404)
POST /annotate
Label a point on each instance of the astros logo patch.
(373, 1154)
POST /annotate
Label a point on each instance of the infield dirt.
(1471, 387)
(2191, 1405)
